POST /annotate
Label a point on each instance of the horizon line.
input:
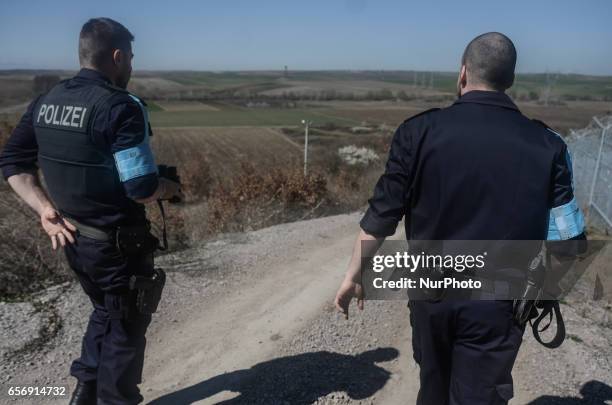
(553, 72)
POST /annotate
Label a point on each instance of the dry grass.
(28, 264)
(256, 199)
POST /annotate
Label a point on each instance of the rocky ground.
(248, 319)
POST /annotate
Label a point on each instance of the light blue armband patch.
(135, 162)
(138, 160)
(565, 222)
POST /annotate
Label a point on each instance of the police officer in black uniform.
(90, 138)
(477, 170)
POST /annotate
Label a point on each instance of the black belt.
(110, 235)
(104, 235)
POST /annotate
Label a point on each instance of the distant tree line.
(258, 95)
(255, 96)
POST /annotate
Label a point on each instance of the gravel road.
(248, 318)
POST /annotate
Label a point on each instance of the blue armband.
(136, 161)
(565, 222)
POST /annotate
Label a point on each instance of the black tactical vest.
(80, 175)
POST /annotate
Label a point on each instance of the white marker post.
(306, 125)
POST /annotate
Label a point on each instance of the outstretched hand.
(58, 229)
(347, 291)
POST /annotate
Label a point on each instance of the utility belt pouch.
(135, 240)
(148, 291)
(524, 308)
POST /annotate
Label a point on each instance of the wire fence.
(591, 152)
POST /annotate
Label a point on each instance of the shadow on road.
(593, 393)
(299, 379)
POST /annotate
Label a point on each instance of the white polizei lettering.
(66, 110)
(62, 115)
(49, 117)
(55, 120)
(41, 112)
(76, 115)
(82, 117)
(69, 116)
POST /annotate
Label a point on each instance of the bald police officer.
(90, 138)
(477, 170)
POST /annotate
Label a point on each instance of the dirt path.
(252, 326)
(248, 319)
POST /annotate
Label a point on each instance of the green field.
(218, 81)
(261, 117)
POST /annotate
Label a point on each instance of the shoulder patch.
(422, 113)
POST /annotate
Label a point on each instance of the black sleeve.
(566, 237)
(129, 140)
(562, 190)
(388, 204)
(566, 221)
(20, 153)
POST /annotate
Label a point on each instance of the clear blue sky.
(561, 36)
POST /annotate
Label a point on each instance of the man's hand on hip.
(27, 186)
(58, 229)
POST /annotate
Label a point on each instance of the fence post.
(307, 124)
(596, 171)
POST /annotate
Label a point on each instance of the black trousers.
(465, 350)
(112, 352)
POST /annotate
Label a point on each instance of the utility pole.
(306, 126)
